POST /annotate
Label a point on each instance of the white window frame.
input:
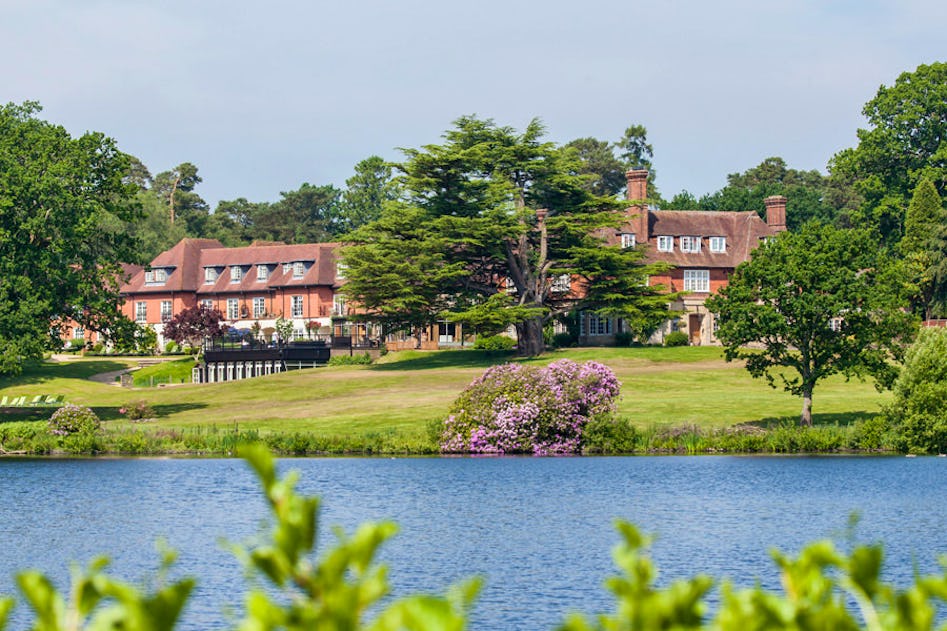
(697, 281)
(665, 243)
(718, 244)
(262, 272)
(690, 244)
(628, 240)
(338, 305)
(78, 333)
(207, 303)
(141, 311)
(259, 307)
(562, 284)
(299, 269)
(594, 325)
(233, 309)
(340, 270)
(210, 275)
(297, 306)
(161, 275)
(167, 310)
(236, 273)
(149, 276)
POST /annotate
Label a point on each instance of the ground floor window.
(165, 310)
(78, 333)
(207, 304)
(297, 306)
(141, 312)
(233, 309)
(259, 307)
(592, 324)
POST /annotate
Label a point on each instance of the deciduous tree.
(193, 325)
(812, 304)
(65, 208)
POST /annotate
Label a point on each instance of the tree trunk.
(530, 335)
(806, 418)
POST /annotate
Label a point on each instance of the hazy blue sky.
(264, 96)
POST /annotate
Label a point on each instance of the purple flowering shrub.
(513, 408)
(73, 419)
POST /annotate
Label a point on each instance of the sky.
(264, 96)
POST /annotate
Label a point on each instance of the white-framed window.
(715, 323)
(165, 310)
(718, 244)
(340, 270)
(594, 325)
(207, 303)
(78, 333)
(236, 273)
(161, 275)
(690, 244)
(338, 305)
(299, 269)
(259, 307)
(562, 283)
(149, 276)
(141, 311)
(697, 280)
(297, 310)
(210, 275)
(665, 243)
(627, 240)
(835, 324)
(262, 272)
(233, 309)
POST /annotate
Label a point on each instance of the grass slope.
(406, 391)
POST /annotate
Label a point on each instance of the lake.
(539, 530)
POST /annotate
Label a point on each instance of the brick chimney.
(776, 212)
(637, 180)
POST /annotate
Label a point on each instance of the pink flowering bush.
(513, 408)
(73, 419)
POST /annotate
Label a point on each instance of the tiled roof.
(187, 260)
(743, 231)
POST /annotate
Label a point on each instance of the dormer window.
(340, 269)
(161, 275)
(665, 244)
(562, 284)
(690, 244)
(718, 244)
(210, 275)
(262, 272)
(149, 276)
(627, 240)
(236, 273)
(299, 269)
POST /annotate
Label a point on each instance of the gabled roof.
(187, 260)
(743, 231)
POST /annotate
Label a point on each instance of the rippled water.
(539, 530)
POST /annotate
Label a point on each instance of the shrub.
(675, 338)
(624, 338)
(917, 414)
(609, 435)
(563, 340)
(171, 347)
(137, 411)
(363, 359)
(494, 343)
(73, 419)
(514, 408)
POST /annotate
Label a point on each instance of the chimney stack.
(776, 212)
(637, 194)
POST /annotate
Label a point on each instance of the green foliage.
(494, 343)
(73, 419)
(284, 329)
(171, 347)
(564, 340)
(905, 142)
(676, 338)
(918, 414)
(609, 435)
(137, 410)
(362, 359)
(492, 210)
(64, 215)
(818, 302)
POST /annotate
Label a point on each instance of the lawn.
(405, 391)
